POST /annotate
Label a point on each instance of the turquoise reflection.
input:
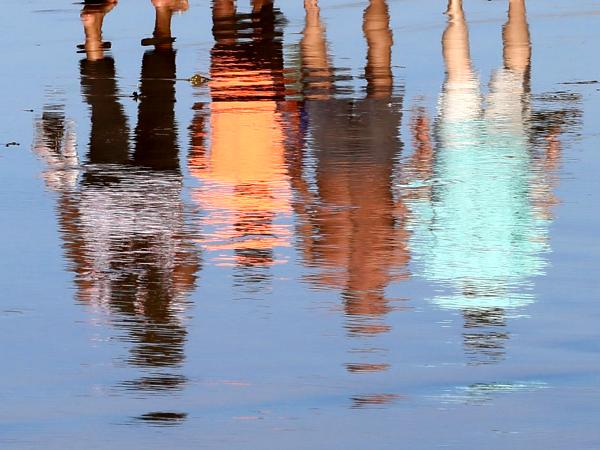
(480, 229)
(479, 196)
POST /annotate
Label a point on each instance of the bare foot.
(162, 26)
(173, 5)
(92, 18)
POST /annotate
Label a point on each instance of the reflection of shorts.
(136, 205)
(361, 130)
(506, 107)
(460, 101)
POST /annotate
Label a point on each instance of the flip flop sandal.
(157, 41)
(105, 46)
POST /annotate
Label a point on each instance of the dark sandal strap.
(157, 41)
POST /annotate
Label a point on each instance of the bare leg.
(461, 98)
(509, 87)
(223, 15)
(455, 43)
(223, 8)
(376, 27)
(162, 24)
(515, 36)
(315, 61)
(92, 17)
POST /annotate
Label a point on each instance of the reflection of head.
(372, 401)
(484, 335)
(364, 311)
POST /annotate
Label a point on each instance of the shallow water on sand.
(369, 225)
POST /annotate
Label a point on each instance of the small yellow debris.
(198, 80)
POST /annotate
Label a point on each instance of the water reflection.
(481, 393)
(121, 217)
(238, 156)
(471, 206)
(349, 221)
(480, 201)
(373, 401)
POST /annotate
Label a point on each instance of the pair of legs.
(93, 13)
(515, 39)
(316, 65)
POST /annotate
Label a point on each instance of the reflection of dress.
(479, 232)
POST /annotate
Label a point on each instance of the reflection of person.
(244, 183)
(479, 230)
(123, 224)
(349, 228)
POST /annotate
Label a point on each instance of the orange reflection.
(240, 160)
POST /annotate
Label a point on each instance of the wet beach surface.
(367, 225)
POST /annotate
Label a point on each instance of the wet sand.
(366, 225)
